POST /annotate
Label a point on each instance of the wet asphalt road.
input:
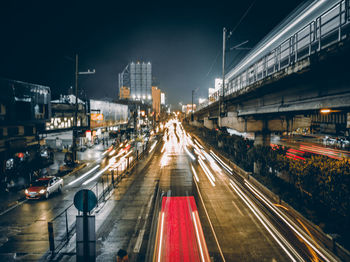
(23, 229)
(123, 221)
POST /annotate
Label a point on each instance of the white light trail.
(200, 146)
(163, 148)
(211, 161)
(290, 224)
(207, 171)
(194, 173)
(264, 222)
(97, 175)
(197, 234)
(85, 175)
(189, 154)
(222, 163)
(161, 237)
(112, 152)
(152, 147)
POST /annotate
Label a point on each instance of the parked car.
(44, 187)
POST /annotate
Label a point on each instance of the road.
(24, 233)
(239, 222)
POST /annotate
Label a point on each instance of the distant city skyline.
(183, 43)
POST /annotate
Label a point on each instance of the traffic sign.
(90, 198)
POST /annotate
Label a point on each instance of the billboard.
(96, 117)
(124, 92)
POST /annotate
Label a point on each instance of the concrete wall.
(209, 123)
(196, 123)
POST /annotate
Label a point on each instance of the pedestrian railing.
(330, 28)
(62, 227)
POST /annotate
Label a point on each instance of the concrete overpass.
(291, 86)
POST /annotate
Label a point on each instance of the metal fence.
(62, 227)
(327, 29)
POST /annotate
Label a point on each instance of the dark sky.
(180, 39)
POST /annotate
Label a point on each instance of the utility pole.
(75, 121)
(223, 60)
(192, 106)
(222, 96)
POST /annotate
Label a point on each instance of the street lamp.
(75, 126)
(193, 91)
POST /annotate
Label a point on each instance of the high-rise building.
(138, 78)
(156, 101)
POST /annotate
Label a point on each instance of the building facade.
(24, 110)
(156, 101)
(138, 78)
(63, 111)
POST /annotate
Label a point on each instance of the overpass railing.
(329, 28)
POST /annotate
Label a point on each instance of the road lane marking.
(142, 231)
(207, 172)
(194, 173)
(139, 241)
(14, 206)
(289, 223)
(211, 225)
(239, 210)
(268, 226)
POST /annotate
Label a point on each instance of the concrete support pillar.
(262, 138)
(208, 123)
(196, 123)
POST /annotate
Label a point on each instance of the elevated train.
(312, 27)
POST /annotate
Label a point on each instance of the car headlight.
(42, 191)
(26, 191)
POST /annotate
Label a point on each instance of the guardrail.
(58, 238)
(329, 28)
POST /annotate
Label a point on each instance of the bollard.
(67, 231)
(103, 190)
(97, 193)
(112, 173)
(51, 237)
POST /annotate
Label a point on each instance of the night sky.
(180, 39)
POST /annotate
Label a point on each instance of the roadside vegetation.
(318, 187)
